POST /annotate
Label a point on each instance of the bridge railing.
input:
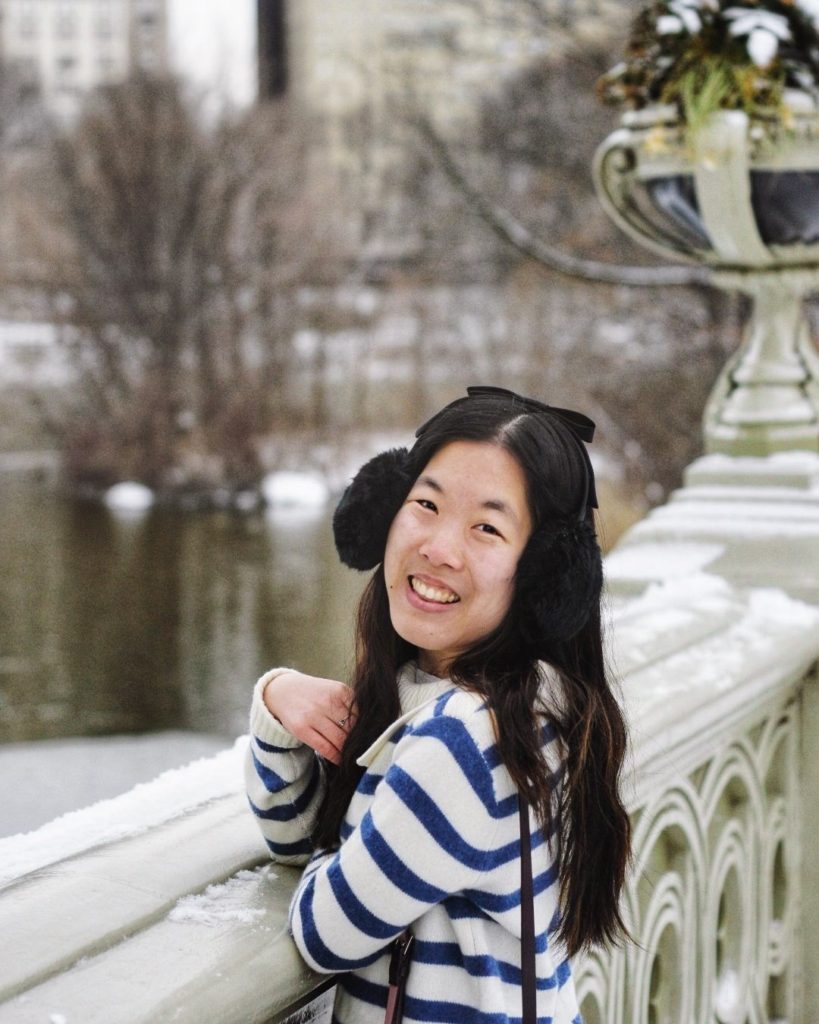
(185, 920)
(715, 897)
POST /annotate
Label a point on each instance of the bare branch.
(510, 229)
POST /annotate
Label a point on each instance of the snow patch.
(145, 806)
(775, 606)
(729, 996)
(792, 521)
(699, 590)
(90, 769)
(741, 629)
(660, 561)
(800, 460)
(291, 489)
(129, 497)
(226, 902)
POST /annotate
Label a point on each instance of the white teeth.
(432, 593)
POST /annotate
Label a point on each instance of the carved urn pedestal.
(741, 196)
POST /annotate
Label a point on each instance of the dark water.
(111, 624)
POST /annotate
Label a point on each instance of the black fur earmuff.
(558, 582)
(367, 508)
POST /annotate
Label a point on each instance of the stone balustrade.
(181, 917)
(714, 899)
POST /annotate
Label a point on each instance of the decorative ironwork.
(713, 901)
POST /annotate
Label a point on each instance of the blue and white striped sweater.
(431, 839)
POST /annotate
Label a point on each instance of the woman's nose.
(442, 546)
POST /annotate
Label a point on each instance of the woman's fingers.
(329, 736)
(327, 742)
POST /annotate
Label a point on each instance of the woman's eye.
(489, 528)
(426, 503)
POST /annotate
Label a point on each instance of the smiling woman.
(479, 692)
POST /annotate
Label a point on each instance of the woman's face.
(453, 549)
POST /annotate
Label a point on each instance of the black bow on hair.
(580, 427)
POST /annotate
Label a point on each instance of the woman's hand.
(317, 711)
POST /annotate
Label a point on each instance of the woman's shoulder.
(457, 716)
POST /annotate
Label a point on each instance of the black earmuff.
(367, 508)
(558, 582)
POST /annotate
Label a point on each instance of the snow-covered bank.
(46, 779)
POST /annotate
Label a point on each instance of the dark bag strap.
(527, 919)
(399, 969)
(401, 956)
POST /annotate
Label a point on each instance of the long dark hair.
(593, 826)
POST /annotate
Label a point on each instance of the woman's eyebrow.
(496, 505)
(431, 483)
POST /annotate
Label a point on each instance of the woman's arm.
(292, 716)
(430, 831)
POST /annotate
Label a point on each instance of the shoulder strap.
(402, 946)
(527, 919)
(400, 960)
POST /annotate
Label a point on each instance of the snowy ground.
(50, 777)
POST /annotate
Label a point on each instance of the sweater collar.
(416, 689)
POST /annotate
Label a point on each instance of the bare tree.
(169, 248)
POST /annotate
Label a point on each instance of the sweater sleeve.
(429, 832)
(284, 782)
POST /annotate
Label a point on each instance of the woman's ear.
(363, 517)
(558, 583)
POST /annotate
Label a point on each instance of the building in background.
(374, 60)
(61, 49)
(336, 57)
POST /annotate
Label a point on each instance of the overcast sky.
(213, 43)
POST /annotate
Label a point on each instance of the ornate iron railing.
(186, 921)
(713, 901)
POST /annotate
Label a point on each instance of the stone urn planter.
(741, 196)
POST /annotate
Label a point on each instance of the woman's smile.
(453, 550)
(431, 593)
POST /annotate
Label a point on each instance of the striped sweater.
(430, 839)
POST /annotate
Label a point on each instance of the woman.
(479, 677)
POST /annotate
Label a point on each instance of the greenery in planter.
(705, 55)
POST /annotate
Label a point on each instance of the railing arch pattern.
(714, 891)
